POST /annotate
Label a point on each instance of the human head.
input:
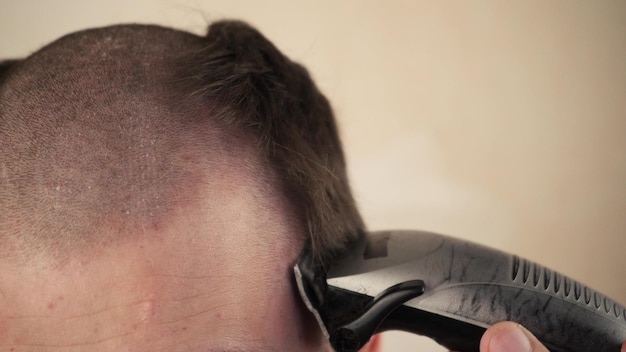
(233, 79)
(165, 167)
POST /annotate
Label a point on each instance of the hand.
(512, 337)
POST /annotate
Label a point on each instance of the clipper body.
(452, 290)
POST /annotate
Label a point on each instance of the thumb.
(510, 337)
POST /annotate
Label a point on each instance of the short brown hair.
(100, 83)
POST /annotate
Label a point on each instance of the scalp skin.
(92, 141)
(114, 128)
(142, 208)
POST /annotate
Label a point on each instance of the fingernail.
(510, 340)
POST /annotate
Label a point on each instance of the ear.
(373, 345)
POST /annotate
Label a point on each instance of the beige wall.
(495, 121)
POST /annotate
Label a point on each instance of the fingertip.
(510, 337)
(485, 340)
(507, 337)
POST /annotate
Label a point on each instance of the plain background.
(502, 122)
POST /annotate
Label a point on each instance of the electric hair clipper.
(452, 290)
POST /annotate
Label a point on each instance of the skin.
(174, 288)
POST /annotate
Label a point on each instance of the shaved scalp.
(112, 128)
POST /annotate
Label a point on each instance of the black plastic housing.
(467, 288)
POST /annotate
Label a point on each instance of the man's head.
(155, 188)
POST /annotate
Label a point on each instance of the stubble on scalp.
(114, 128)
